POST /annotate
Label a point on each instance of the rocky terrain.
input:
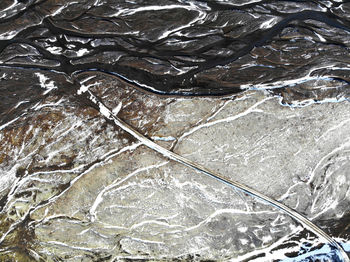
(255, 91)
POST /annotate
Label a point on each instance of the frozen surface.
(254, 90)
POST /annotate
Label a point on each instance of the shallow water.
(256, 91)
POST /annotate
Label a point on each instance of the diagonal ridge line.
(105, 111)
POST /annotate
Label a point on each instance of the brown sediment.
(19, 241)
(36, 130)
(224, 53)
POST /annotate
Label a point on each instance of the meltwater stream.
(256, 91)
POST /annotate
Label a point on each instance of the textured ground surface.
(257, 92)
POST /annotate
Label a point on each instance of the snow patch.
(45, 83)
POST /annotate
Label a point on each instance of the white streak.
(45, 84)
(8, 123)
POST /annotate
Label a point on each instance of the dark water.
(298, 50)
(185, 47)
